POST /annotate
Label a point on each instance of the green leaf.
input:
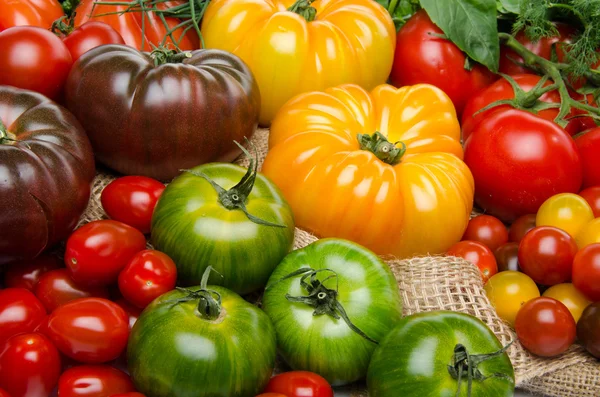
(471, 25)
(509, 6)
(400, 10)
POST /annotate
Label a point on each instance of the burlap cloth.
(442, 283)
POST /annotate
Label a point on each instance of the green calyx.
(304, 9)
(383, 149)
(163, 55)
(63, 26)
(5, 136)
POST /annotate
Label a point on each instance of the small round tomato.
(520, 227)
(26, 274)
(29, 365)
(131, 394)
(588, 329)
(91, 35)
(567, 211)
(20, 312)
(508, 291)
(97, 252)
(299, 384)
(588, 143)
(488, 230)
(478, 254)
(89, 330)
(148, 275)
(131, 200)
(592, 196)
(570, 296)
(507, 257)
(133, 312)
(589, 234)
(546, 255)
(94, 381)
(545, 327)
(56, 288)
(586, 271)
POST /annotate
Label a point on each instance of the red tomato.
(56, 288)
(147, 276)
(131, 200)
(4, 393)
(478, 254)
(29, 365)
(98, 251)
(546, 255)
(299, 384)
(34, 59)
(592, 196)
(40, 13)
(89, 330)
(518, 161)
(586, 272)
(131, 394)
(545, 327)
(488, 230)
(520, 227)
(270, 395)
(26, 274)
(94, 381)
(91, 35)
(132, 312)
(507, 257)
(589, 148)
(20, 312)
(423, 57)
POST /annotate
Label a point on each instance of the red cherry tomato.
(592, 196)
(299, 384)
(546, 255)
(478, 254)
(29, 365)
(520, 227)
(586, 271)
(589, 148)
(97, 252)
(34, 59)
(26, 274)
(545, 327)
(89, 330)
(130, 394)
(94, 381)
(20, 312)
(488, 230)
(133, 312)
(56, 288)
(507, 257)
(40, 13)
(91, 35)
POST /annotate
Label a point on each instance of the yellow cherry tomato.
(570, 296)
(589, 234)
(508, 291)
(566, 211)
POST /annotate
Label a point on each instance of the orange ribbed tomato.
(299, 46)
(342, 180)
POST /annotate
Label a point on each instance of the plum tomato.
(56, 288)
(26, 274)
(20, 312)
(94, 381)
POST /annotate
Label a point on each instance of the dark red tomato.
(89, 330)
(94, 381)
(131, 394)
(20, 312)
(4, 393)
(488, 230)
(26, 274)
(29, 365)
(34, 59)
(586, 272)
(478, 254)
(299, 384)
(546, 255)
(98, 251)
(147, 276)
(589, 148)
(40, 13)
(592, 196)
(507, 257)
(588, 329)
(133, 312)
(91, 35)
(131, 200)
(423, 57)
(56, 288)
(520, 227)
(545, 327)
(518, 161)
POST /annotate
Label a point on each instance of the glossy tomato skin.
(56, 288)
(89, 330)
(4, 393)
(507, 257)
(41, 13)
(478, 254)
(520, 227)
(589, 234)
(432, 336)
(567, 211)
(20, 312)
(131, 200)
(488, 230)
(586, 271)
(99, 250)
(93, 381)
(519, 160)
(26, 274)
(588, 329)
(545, 327)
(592, 196)
(569, 296)
(90, 35)
(508, 291)
(299, 384)
(130, 394)
(29, 365)
(589, 146)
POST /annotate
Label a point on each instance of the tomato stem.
(163, 55)
(209, 301)
(383, 149)
(5, 135)
(59, 27)
(304, 9)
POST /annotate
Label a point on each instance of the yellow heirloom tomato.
(383, 169)
(299, 46)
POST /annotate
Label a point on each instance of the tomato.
(4, 393)
(566, 211)
(586, 271)
(98, 251)
(89, 330)
(589, 146)
(508, 291)
(545, 327)
(589, 234)
(131, 200)
(298, 384)
(93, 381)
(569, 296)
(131, 394)
(20, 312)
(438, 338)
(588, 329)
(520, 227)
(478, 254)
(520, 160)
(91, 35)
(46, 72)
(592, 196)
(29, 365)
(507, 257)
(394, 202)
(40, 13)
(289, 55)
(132, 312)
(309, 338)
(56, 288)
(148, 275)
(488, 230)
(270, 395)
(26, 274)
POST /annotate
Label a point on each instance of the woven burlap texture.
(445, 283)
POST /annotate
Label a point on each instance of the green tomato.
(201, 223)
(309, 335)
(418, 357)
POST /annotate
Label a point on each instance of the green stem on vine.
(385, 151)
(304, 9)
(162, 55)
(59, 27)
